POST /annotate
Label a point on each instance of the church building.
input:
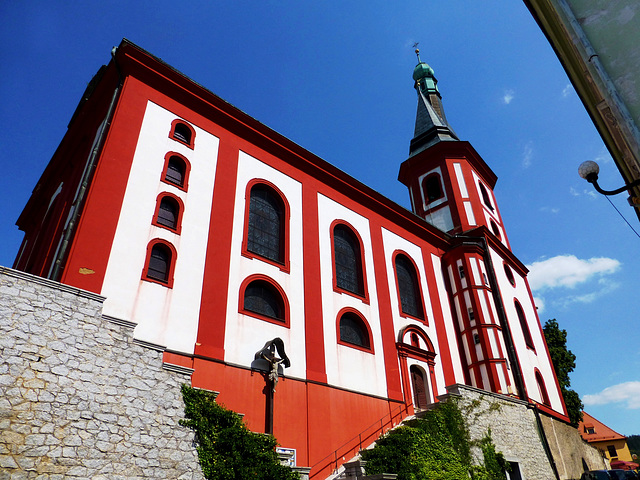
(213, 235)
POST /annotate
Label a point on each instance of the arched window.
(168, 212)
(542, 389)
(419, 384)
(183, 133)
(347, 260)
(263, 298)
(354, 331)
(176, 170)
(485, 196)
(432, 187)
(524, 326)
(408, 287)
(265, 231)
(160, 262)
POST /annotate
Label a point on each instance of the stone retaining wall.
(513, 427)
(570, 450)
(80, 399)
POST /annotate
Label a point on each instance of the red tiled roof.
(601, 431)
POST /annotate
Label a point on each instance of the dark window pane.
(175, 171)
(346, 250)
(159, 263)
(408, 286)
(168, 212)
(182, 133)
(485, 196)
(432, 188)
(353, 331)
(265, 236)
(261, 297)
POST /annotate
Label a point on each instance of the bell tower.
(450, 185)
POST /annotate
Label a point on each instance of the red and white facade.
(478, 324)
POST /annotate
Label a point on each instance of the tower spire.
(431, 124)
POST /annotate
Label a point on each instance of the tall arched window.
(263, 298)
(524, 326)
(354, 331)
(160, 263)
(542, 389)
(348, 260)
(265, 231)
(432, 187)
(408, 287)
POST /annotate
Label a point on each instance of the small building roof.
(600, 431)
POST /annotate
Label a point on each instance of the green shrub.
(435, 447)
(227, 449)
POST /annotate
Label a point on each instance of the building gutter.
(78, 201)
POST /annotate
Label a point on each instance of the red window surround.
(284, 322)
(187, 169)
(359, 257)
(366, 330)
(284, 226)
(417, 286)
(171, 262)
(180, 210)
(186, 134)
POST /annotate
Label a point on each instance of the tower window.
(347, 260)
(263, 298)
(524, 326)
(183, 133)
(408, 287)
(265, 231)
(160, 262)
(495, 229)
(354, 331)
(432, 187)
(485, 196)
(461, 271)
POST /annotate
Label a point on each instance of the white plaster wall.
(165, 316)
(449, 326)
(348, 367)
(245, 334)
(528, 358)
(393, 242)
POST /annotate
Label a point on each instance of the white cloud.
(508, 96)
(527, 154)
(604, 287)
(628, 392)
(569, 271)
(566, 91)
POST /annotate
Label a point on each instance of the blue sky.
(335, 77)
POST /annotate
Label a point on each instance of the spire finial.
(415, 45)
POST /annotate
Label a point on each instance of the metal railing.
(366, 437)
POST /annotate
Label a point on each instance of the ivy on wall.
(435, 447)
(227, 449)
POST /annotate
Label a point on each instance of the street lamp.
(589, 171)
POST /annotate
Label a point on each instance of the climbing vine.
(435, 447)
(227, 449)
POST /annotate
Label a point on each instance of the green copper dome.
(422, 70)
